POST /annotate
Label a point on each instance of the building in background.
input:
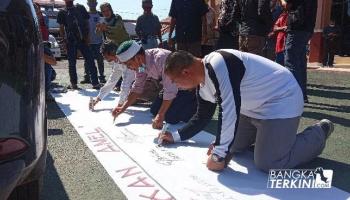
(339, 11)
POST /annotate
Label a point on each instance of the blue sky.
(131, 9)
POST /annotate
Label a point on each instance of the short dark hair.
(177, 61)
(108, 5)
(108, 47)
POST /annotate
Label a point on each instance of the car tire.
(28, 191)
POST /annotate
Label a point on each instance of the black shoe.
(85, 81)
(327, 127)
(97, 86)
(73, 87)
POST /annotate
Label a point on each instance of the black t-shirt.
(302, 15)
(75, 22)
(188, 15)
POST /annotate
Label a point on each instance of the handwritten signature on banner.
(209, 191)
(130, 137)
(163, 156)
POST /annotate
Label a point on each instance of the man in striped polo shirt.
(259, 102)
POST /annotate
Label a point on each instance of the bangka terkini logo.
(300, 178)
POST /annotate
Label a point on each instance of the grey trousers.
(277, 144)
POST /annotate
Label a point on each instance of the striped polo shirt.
(239, 82)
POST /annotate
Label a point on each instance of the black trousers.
(182, 108)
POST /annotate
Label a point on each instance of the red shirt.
(281, 35)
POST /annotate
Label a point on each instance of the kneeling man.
(149, 66)
(259, 101)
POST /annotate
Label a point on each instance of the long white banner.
(129, 152)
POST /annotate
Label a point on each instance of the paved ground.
(74, 173)
(341, 64)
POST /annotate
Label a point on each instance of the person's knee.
(265, 162)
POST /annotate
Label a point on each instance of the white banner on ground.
(129, 152)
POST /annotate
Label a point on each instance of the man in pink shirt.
(149, 64)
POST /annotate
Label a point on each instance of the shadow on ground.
(328, 87)
(341, 171)
(335, 119)
(53, 187)
(54, 115)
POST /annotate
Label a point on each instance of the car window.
(20, 72)
(53, 23)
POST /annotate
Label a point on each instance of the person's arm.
(86, 17)
(172, 27)
(138, 28)
(237, 11)
(49, 59)
(87, 36)
(136, 92)
(204, 28)
(130, 100)
(62, 32)
(128, 79)
(172, 15)
(133, 96)
(159, 30)
(170, 92)
(325, 33)
(204, 114)
(158, 120)
(109, 85)
(204, 10)
(277, 26)
(116, 29)
(284, 4)
(60, 20)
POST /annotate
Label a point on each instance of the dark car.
(23, 127)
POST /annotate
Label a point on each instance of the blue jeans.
(72, 47)
(280, 58)
(295, 56)
(48, 76)
(95, 51)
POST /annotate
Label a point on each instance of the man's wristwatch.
(216, 158)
